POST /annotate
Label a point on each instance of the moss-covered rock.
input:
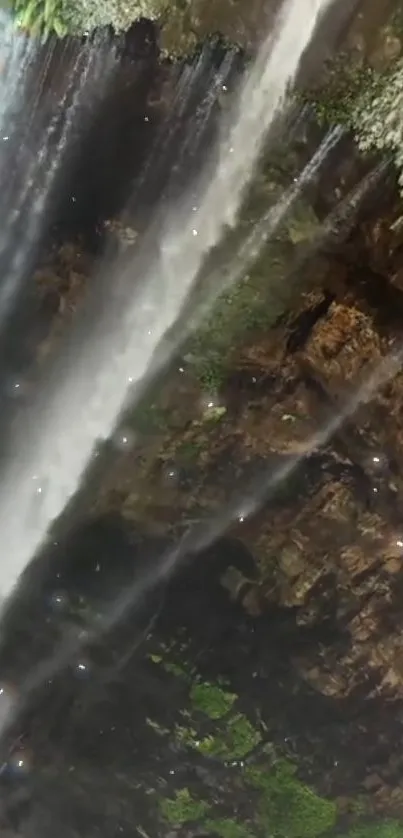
(288, 808)
(211, 699)
(183, 808)
(383, 829)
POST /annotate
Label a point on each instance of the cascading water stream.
(249, 251)
(200, 537)
(49, 459)
(29, 204)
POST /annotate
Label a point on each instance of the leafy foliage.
(64, 17)
(41, 17)
(368, 102)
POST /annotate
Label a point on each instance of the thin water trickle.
(94, 384)
(251, 248)
(201, 536)
(29, 204)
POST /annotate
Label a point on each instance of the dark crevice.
(301, 328)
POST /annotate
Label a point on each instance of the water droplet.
(19, 763)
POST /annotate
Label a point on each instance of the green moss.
(183, 808)
(249, 306)
(383, 829)
(227, 828)
(237, 739)
(288, 808)
(211, 700)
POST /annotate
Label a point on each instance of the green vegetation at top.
(368, 102)
(41, 18)
(76, 17)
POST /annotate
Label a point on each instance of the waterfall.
(104, 370)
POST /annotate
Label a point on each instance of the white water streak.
(40, 181)
(92, 395)
(202, 535)
(16, 52)
(240, 507)
(262, 232)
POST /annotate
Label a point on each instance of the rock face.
(319, 510)
(261, 692)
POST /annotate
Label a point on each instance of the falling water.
(16, 53)
(231, 273)
(241, 507)
(30, 203)
(224, 276)
(200, 537)
(197, 90)
(49, 461)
